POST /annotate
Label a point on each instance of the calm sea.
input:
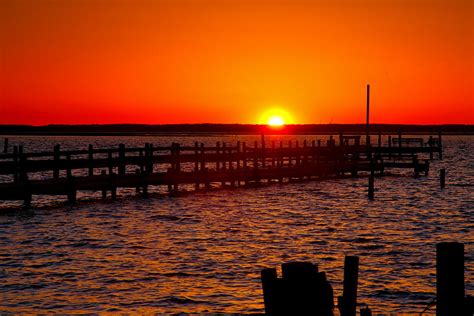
(203, 252)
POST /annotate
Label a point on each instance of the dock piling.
(442, 178)
(5, 146)
(348, 301)
(449, 279)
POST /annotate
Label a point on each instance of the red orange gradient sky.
(230, 61)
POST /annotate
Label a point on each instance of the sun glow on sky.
(201, 61)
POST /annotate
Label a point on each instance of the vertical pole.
(218, 145)
(367, 139)
(380, 139)
(15, 163)
(440, 145)
(348, 301)
(255, 156)
(121, 167)
(104, 191)
(371, 185)
(442, 178)
(269, 285)
(430, 143)
(389, 146)
(91, 160)
(399, 143)
(449, 278)
(71, 190)
(109, 160)
(196, 164)
(137, 174)
(56, 161)
(5, 146)
(244, 151)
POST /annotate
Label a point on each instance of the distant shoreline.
(229, 129)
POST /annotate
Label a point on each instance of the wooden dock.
(66, 172)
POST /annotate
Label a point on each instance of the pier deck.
(66, 172)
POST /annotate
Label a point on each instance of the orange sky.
(229, 61)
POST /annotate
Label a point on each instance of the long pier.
(65, 173)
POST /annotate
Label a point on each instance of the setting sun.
(276, 118)
(276, 121)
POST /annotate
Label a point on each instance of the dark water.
(203, 252)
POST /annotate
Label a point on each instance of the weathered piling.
(442, 178)
(5, 146)
(56, 158)
(348, 301)
(370, 191)
(91, 159)
(449, 279)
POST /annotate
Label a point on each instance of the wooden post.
(380, 140)
(91, 160)
(348, 300)
(141, 161)
(270, 291)
(113, 186)
(341, 139)
(290, 162)
(218, 145)
(177, 166)
(57, 156)
(367, 139)
(71, 190)
(144, 184)
(371, 185)
(399, 143)
(150, 158)
(109, 160)
(430, 143)
(297, 157)
(442, 178)
(416, 167)
(255, 156)
(68, 166)
(449, 279)
(390, 146)
(137, 173)
(16, 176)
(121, 167)
(273, 154)
(5, 146)
(203, 158)
(104, 191)
(440, 145)
(196, 164)
(244, 151)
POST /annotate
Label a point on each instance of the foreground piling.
(450, 279)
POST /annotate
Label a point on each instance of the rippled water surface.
(203, 252)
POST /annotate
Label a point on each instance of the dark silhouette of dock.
(236, 165)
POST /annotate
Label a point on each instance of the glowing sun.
(276, 121)
(275, 117)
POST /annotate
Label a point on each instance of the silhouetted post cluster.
(303, 290)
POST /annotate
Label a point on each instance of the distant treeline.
(141, 129)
